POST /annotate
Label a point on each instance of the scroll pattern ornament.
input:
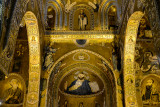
(34, 59)
(129, 73)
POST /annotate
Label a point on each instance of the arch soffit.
(55, 4)
(129, 50)
(73, 52)
(34, 57)
(79, 50)
(104, 4)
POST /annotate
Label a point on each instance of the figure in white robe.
(82, 20)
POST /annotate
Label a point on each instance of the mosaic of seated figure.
(81, 86)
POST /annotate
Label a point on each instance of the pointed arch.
(34, 58)
(103, 9)
(106, 4)
(56, 14)
(58, 73)
(60, 9)
(106, 19)
(128, 65)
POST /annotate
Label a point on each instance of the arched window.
(112, 18)
(50, 18)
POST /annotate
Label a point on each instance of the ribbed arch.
(59, 7)
(56, 14)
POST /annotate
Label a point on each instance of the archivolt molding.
(57, 14)
(105, 15)
(60, 9)
(58, 78)
(102, 5)
(75, 51)
(128, 66)
(42, 11)
(81, 50)
(77, 7)
(102, 10)
(34, 59)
